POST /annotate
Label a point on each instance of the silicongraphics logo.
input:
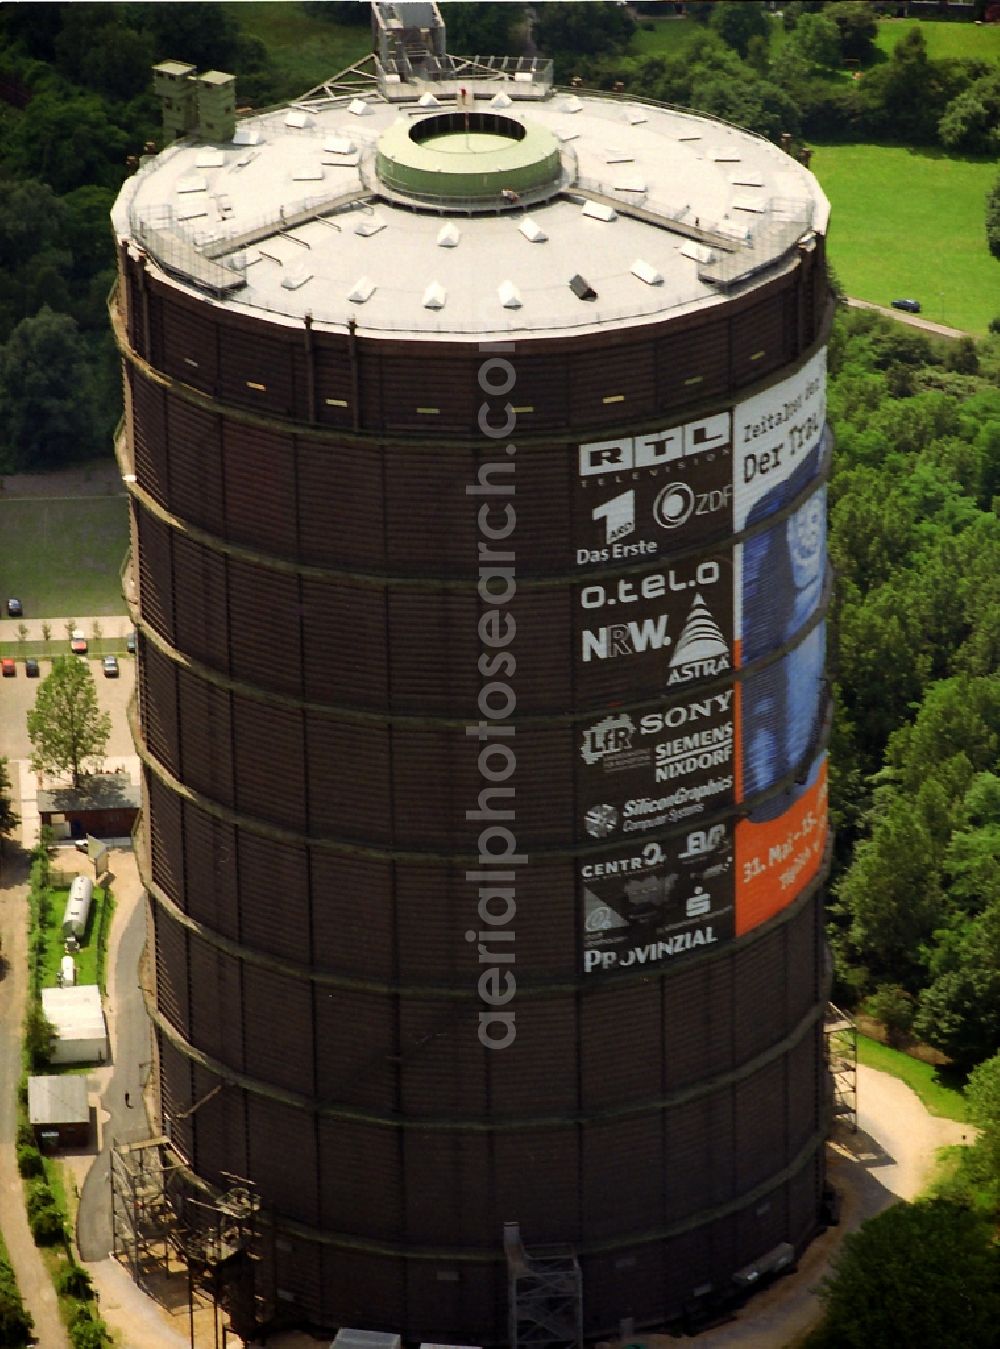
(600, 821)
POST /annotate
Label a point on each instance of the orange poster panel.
(776, 859)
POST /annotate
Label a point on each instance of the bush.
(893, 1006)
(85, 1332)
(16, 1324)
(29, 1161)
(75, 1282)
(47, 1227)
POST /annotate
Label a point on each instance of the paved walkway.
(901, 316)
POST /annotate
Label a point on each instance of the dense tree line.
(915, 539)
(736, 70)
(75, 104)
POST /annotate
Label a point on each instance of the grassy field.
(305, 49)
(63, 555)
(944, 39)
(910, 223)
(923, 1078)
(86, 958)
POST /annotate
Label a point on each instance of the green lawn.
(63, 556)
(944, 39)
(87, 957)
(923, 1078)
(910, 223)
(304, 48)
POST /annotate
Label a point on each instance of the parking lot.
(17, 695)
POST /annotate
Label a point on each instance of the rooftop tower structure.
(475, 442)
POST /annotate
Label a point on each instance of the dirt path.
(32, 1277)
(927, 326)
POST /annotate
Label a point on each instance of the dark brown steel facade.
(305, 562)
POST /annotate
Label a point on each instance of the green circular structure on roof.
(471, 155)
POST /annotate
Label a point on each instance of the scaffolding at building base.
(840, 1033)
(545, 1295)
(160, 1210)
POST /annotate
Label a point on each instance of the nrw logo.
(610, 736)
(618, 515)
(626, 639)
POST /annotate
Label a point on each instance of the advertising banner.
(639, 496)
(654, 902)
(776, 435)
(659, 767)
(779, 849)
(664, 630)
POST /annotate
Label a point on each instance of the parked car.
(911, 306)
(31, 667)
(110, 667)
(78, 641)
(7, 667)
(14, 609)
(130, 642)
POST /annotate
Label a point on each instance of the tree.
(971, 121)
(893, 1006)
(959, 1011)
(8, 816)
(483, 28)
(67, 140)
(736, 23)
(47, 413)
(924, 1275)
(39, 1036)
(993, 219)
(858, 27)
(66, 726)
(817, 37)
(572, 29)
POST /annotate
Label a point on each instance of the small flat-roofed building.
(78, 1017)
(105, 805)
(58, 1111)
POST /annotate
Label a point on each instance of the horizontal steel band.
(349, 847)
(234, 1077)
(526, 988)
(466, 1255)
(357, 435)
(383, 580)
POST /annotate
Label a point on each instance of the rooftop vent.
(248, 135)
(571, 104)
(645, 271)
(532, 231)
(582, 289)
(339, 145)
(210, 158)
(358, 107)
(597, 210)
(448, 236)
(369, 226)
(298, 121)
(362, 290)
(501, 100)
(509, 296)
(434, 296)
(294, 277)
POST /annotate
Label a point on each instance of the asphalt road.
(131, 1041)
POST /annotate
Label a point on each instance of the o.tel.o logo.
(674, 505)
